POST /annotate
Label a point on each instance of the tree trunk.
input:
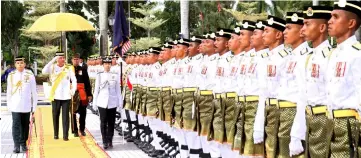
(184, 10)
(103, 26)
(63, 34)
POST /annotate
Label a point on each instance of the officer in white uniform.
(21, 99)
(344, 80)
(108, 100)
(63, 87)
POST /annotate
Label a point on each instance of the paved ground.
(121, 149)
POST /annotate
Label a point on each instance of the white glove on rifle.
(95, 108)
(295, 146)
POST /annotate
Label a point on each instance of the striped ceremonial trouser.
(238, 141)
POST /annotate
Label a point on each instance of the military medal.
(315, 70)
(26, 78)
(340, 69)
(291, 67)
(271, 70)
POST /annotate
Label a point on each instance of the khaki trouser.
(151, 103)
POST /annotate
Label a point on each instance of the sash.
(56, 83)
(82, 94)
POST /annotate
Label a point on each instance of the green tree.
(11, 21)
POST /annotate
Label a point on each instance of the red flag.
(130, 86)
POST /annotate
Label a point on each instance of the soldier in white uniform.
(206, 86)
(344, 80)
(108, 100)
(63, 87)
(273, 38)
(21, 99)
(250, 92)
(223, 64)
(288, 91)
(191, 83)
(313, 93)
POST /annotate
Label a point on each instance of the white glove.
(55, 58)
(295, 146)
(95, 108)
(257, 137)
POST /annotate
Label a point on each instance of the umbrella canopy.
(61, 22)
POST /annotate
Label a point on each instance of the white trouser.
(153, 124)
(182, 142)
(205, 144)
(193, 142)
(214, 148)
(226, 150)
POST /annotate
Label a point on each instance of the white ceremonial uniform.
(21, 92)
(313, 89)
(65, 89)
(192, 79)
(344, 77)
(153, 80)
(208, 82)
(241, 73)
(269, 85)
(107, 91)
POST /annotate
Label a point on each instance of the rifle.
(33, 121)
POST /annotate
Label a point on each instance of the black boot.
(24, 148)
(16, 149)
(110, 142)
(156, 153)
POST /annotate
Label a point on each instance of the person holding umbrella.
(20, 84)
(108, 100)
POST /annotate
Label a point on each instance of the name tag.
(80, 72)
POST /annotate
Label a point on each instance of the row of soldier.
(241, 92)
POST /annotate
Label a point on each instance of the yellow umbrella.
(61, 22)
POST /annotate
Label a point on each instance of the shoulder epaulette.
(100, 72)
(199, 57)
(12, 72)
(213, 58)
(229, 58)
(187, 61)
(29, 72)
(357, 46)
(253, 54)
(326, 52)
(264, 55)
(304, 51)
(157, 66)
(283, 53)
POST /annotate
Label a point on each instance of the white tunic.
(21, 92)
(65, 89)
(107, 91)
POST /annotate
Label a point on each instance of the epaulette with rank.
(357, 46)
(283, 53)
(264, 55)
(29, 72)
(326, 52)
(187, 61)
(12, 72)
(229, 58)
